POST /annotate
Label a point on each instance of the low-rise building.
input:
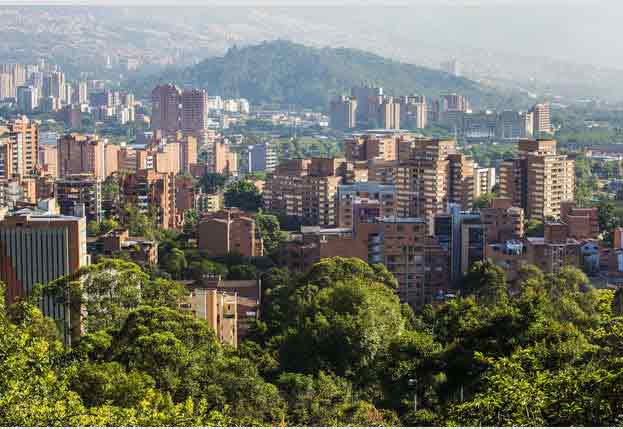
(219, 309)
(583, 222)
(229, 231)
(502, 221)
(550, 253)
(118, 243)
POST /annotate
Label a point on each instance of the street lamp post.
(413, 383)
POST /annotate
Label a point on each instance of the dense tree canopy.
(334, 347)
(243, 194)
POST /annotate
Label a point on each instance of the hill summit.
(282, 72)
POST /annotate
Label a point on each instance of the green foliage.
(309, 76)
(483, 201)
(489, 155)
(212, 182)
(174, 262)
(242, 272)
(586, 183)
(306, 147)
(203, 267)
(270, 232)
(244, 195)
(534, 228)
(334, 347)
(139, 224)
(486, 281)
(95, 229)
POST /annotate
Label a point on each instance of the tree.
(617, 303)
(244, 195)
(191, 218)
(108, 382)
(348, 323)
(212, 182)
(486, 281)
(483, 201)
(93, 229)
(139, 224)
(270, 232)
(242, 272)
(534, 228)
(108, 225)
(106, 291)
(201, 268)
(608, 219)
(174, 262)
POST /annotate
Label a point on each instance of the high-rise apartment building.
(17, 76)
(6, 86)
(80, 195)
(513, 125)
(305, 189)
(461, 180)
(462, 234)
(413, 112)
(102, 99)
(27, 98)
(81, 93)
(363, 202)
(539, 179)
(541, 119)
(454, 102)
(368, 147)
(166, 159)
(6, 160)
(48, 159)
(24, 141)
(57, 88)
(188, 155)
(194, 113)
(166, 109)
(389, 113)
(81, 154)
(422, 178)
(484, 180)
(479, 125)
(37, 249)
(405, 247)
(368, 98)
(221, 159)
(343, 113)
(262, 157)
(154, 193)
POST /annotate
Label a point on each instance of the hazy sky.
(582, 31)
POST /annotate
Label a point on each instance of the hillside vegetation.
(282, 72)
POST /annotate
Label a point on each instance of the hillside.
(282, 72)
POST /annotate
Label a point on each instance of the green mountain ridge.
(282, 72)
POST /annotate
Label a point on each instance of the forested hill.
(283, 72)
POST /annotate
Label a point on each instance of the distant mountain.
(282, 72)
